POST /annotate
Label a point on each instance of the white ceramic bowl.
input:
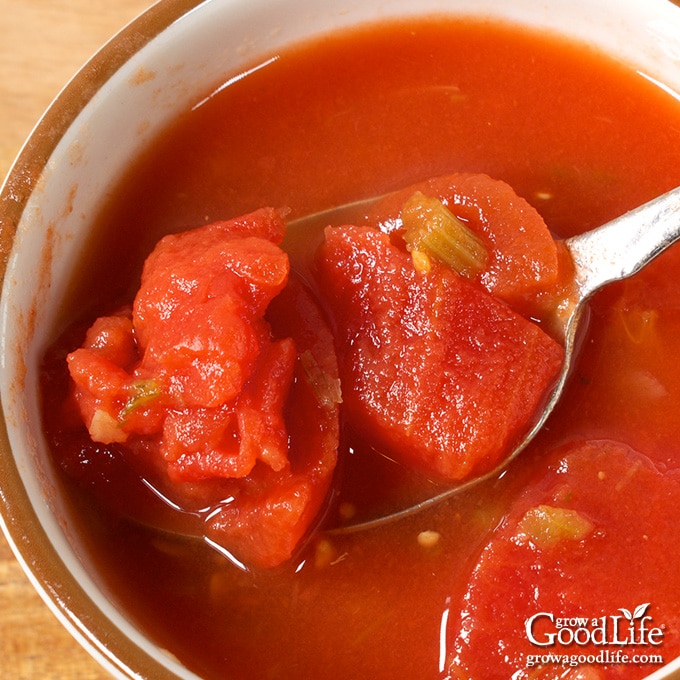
(163, 63)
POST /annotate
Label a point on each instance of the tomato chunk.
(598, 504)
(437, 372)
(523, 256)
(194, 381)
(275, 509)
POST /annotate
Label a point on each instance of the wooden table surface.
(42, 44)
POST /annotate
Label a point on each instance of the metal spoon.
(612, 252)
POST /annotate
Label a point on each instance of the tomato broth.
(583, 139)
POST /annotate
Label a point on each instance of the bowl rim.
(24, 533)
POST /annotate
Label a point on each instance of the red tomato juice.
(584, 524)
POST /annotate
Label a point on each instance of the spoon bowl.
(613, 252)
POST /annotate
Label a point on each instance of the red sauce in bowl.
(582, 529)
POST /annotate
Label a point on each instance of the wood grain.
(42, 45)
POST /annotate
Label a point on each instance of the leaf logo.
(637, 614)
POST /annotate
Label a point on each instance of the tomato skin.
(203, 395)
(434, 369)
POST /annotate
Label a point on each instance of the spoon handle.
(625, 245)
